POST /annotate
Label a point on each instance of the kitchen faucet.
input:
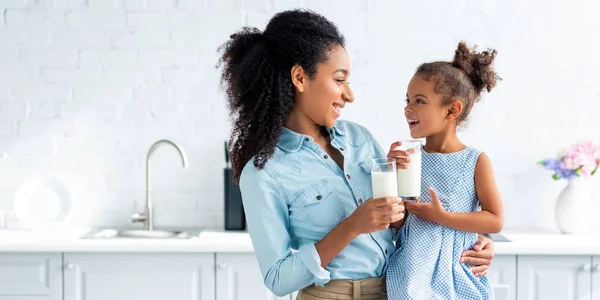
(147, 216)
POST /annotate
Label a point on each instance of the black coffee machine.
(235, 219)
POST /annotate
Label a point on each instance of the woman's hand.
(401, 156)
(376, 215)
(480, 257)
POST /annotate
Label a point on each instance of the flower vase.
(573, 209)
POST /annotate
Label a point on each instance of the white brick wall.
(87, 85)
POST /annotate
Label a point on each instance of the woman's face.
(322, 98)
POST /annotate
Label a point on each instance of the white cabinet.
(554, 277)
(28, 276)
(236, 276)
(148, 276)
(239, 278)
(596, 277)
(503, 270)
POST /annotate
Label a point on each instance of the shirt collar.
(290, 141)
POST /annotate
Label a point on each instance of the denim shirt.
(300, 196)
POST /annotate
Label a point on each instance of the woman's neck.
(301, 124)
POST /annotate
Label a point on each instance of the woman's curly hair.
(256, 72)
(464, 78)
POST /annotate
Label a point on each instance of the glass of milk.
(383, 177)
(409, 180)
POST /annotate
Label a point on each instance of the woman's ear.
(454, 110)
(298, 77)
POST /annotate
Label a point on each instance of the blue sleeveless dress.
(426, 264)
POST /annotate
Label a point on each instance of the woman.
(304, 175)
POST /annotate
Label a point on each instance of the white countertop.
(540, 243)
(226, 241)
(207, 241)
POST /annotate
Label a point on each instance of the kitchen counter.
(239, 242)
(207, 241)
(544, 243)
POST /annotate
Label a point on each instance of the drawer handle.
(221, 266)
(587, 267)
(69, 266)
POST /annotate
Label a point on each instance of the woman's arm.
(267, 216)
(397, 225)
(480, 257)
(488, 220)
(373, 215)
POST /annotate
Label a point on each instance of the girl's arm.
(488, 220)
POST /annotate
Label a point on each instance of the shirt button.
(386, 252)
(325, 157)
(306, 139)
(359, 201)
(341, 149)
(319, 197)
(348, 176)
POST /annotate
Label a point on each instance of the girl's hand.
(401, 156)
(432, 212)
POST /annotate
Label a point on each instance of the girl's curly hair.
(464, 78)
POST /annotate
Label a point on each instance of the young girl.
(459, 197)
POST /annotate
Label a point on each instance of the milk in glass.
(409, 179)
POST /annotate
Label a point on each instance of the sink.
(141, 234)
(497, 238)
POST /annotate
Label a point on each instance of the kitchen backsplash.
(86, 86)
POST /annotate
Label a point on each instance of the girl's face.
(321, 98)
(425, 114)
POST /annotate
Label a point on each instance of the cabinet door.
(239, 278)
(596, 277)
(31, 276)
(148, 276)
(554, 277)
(503, 270)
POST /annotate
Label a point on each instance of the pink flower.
(584, 156)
